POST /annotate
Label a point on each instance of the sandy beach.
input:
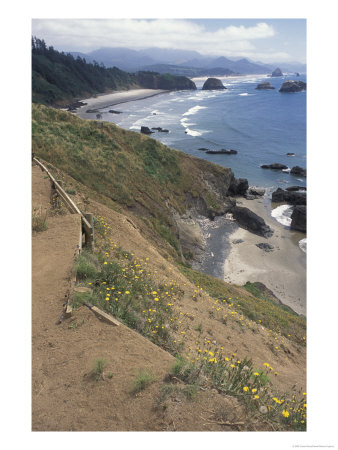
(114, 98)
(282, 270)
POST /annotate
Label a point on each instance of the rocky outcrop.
(154, 80)
(146, 130)
(290, 197)
(277, 73)
(298, 218)
(291, 154)
(296, 188)
(251, 221)
(238, 186)
(293, 86)
(296, 170)
(274, 166)
(213, 84)
(113, 111)
(223, 151)
(264, 86)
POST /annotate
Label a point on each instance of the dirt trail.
(64, 395)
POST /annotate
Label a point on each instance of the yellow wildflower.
(285, 413)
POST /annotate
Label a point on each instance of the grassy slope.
(133, 173)
(126, 168)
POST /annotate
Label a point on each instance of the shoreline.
(283, 270)
(115, 98)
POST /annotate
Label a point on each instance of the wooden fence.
(87, 226)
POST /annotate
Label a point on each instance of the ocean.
(262, 125)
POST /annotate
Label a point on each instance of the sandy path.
(282, 270)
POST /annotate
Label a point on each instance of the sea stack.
(293, 86)
(212, 84)
(277, 73)
(265, 85)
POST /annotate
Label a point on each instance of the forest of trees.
(58, 78)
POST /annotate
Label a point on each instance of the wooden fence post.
(89, 234)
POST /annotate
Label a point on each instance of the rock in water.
(212, 84)
(296, 170)
(290, 197)
(298, 218)
(146, 130)
(293, 86)
(277, 73)
(275, 166)
(265, 85)
(251, 221)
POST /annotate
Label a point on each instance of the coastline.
(282, 270)
(113, 99)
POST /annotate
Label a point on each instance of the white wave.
(244, 93)
(302, 244)
(194, 110)
(185, 122)
(283, 214)
(286, 170)
(156, 111)
(192, 132)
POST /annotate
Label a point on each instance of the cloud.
(89, 34)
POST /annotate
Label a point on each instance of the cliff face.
(132, 171)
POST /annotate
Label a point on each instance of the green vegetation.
(121, 286)
(39, 221)
(142, 380)
(209, 367)
(97, 371)
(127, 169)
(256, 307)
(58, 78)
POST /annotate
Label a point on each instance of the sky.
(265, 40)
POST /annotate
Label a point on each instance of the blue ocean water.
(262, 125)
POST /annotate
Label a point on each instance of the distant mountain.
(159, 59)
(188, 71)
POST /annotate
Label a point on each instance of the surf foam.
(283, 214)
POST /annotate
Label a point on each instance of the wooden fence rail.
(86, 218)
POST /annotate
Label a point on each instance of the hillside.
(59, 78)
(214, 356)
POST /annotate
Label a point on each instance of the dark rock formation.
(298, 218)
(212, 84)
(162, 130)
(238, 186)
(203, 149)
(275, 166)
(75, 105)
(277, 73)
(298, 171)
(293, 86)
(154, 80)
(296, 188)
(146, 130)
(291, 154)
(265, 246)
(265, 85)
(223, 151)
(290, 197)
(297, 74)
(251, 221)
(112, 111)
